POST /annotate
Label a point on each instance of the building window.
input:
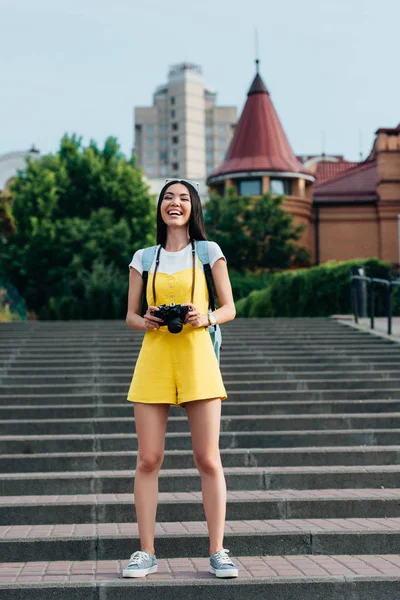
(280, 187)
(209, 130)
(150, 170)
(175, 166)
(163, 143)
(150, 141)
(221, 154)
(172, 114)
(164, 170)
(175, 152)
(209, 157)
(172, 100)
(175, 126)
(221, 128)
(163, 130)
(209, 142)
(164, 156)
(150, 155)
(221, 142)
(209, 168)
(149, 128)
(249, 187)
(175, 139)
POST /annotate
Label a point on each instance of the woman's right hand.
(150, 321)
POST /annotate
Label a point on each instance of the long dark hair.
(197, 229)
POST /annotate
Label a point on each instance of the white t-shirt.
(172, 262)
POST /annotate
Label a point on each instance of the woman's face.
(176, 206)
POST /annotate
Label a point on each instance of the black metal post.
(354, 298)
(317, 257)
(389, 307)
(372, 303)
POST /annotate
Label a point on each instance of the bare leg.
(151, 425)
(204, 420)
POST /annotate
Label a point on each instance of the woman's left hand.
(194, 317)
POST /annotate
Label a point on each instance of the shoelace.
(222, 556)
(137, 557)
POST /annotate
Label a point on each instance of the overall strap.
(147, 261)
(155, 273)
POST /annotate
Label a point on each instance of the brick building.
(349, 209)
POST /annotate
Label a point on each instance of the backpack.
(202, 253)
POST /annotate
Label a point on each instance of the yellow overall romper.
(174, 368)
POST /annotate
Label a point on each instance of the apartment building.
(184, 134)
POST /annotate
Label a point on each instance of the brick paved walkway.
(193, 527)
(197, 568)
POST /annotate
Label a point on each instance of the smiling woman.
(178, 366)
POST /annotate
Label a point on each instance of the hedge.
(244, 282)
(315, 292)
(12, 306)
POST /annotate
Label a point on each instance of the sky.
(80, 66)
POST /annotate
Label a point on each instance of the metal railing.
(371, 284)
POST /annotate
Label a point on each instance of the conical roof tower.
(259, 143)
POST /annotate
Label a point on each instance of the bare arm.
(227, 310)
(133, 318)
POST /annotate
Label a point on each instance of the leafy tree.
(80, 211)
(255, 233)
(7, 224)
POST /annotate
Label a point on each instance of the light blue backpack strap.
(148, 257)
(216, 339)
(202, 251)
(214, 331)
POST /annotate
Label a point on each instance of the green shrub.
(100, 293)
(315, 292)
(12, 306)
(244, 282)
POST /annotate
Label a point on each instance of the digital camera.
(173, 316)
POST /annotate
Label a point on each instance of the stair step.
(237, 478)
(320, 577)
(238, 423)
(183, 459)
(108, 541)
(229, 408)
(187, 506)
(273, 376)
(34, 444)
(100, 397)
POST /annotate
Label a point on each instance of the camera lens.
(175, 325)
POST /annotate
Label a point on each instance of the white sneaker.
(140, 564)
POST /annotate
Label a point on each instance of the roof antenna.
(257, 51)
(360, 141)
(323, 143)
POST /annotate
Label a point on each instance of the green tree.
(79, 211)
(255, 233)
(7, 224)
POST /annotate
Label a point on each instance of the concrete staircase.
(309, 442)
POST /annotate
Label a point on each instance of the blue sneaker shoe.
(221, 565)
(140, 565)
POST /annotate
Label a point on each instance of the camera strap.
(193, 271)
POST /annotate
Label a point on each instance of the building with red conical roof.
(260, 159)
